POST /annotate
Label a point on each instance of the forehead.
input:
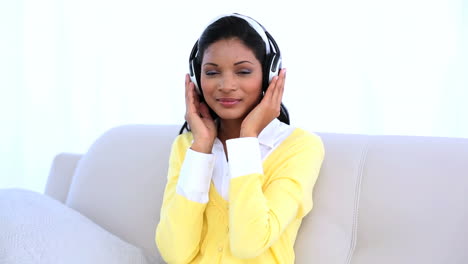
(228, 49)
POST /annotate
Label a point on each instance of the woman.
(240, 180)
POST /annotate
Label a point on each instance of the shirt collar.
(269, 134)
(267, 137)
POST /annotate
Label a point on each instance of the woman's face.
(231, 78)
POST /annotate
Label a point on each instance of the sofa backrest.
(388, 199)
(378, 199)
(120, 181)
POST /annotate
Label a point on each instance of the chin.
(230, 115)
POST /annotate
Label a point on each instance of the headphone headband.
(254, 24)
(259, 28)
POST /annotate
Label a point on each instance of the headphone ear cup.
(193, 75)
(194, 68)
(274, 67)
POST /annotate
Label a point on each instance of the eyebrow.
(210, 63)
(240, 62)
(237, 63)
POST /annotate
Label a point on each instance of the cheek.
(254, 88)
(208, 86)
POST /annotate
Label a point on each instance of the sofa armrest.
(38, 229)
(60, 175)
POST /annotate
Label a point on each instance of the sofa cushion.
(38, 229)
(327, 233)
(413, 206)
(119, 182)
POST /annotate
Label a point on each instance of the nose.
(227, 83)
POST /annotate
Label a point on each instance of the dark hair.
(228, 27)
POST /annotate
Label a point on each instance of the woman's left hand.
(267, 110)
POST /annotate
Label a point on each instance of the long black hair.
(228, 27)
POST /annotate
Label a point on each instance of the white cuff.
(244, 156)
(195, 176)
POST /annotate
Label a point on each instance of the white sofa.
(378, 199)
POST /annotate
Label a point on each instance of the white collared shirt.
(245, 155)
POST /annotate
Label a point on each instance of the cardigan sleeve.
(195, 176)
(180, 226)
(260, 210)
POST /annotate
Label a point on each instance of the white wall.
(70, 70)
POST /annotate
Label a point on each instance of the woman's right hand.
(199, 119)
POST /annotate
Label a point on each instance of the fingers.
(191, 99)
(187, 91)
(279, 87)
(274, 93)
(191, 103)
(204, 112)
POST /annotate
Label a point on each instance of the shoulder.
(182, 142)
(294, 134)
(301, 136)
(184, 138)
(301, 141)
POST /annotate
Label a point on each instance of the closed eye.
(210, 73)
(244, 72)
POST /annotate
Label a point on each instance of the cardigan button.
(220, 249)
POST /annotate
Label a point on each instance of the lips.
(228, 101)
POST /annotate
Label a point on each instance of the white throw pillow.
(35, 228)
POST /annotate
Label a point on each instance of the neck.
(229, 129)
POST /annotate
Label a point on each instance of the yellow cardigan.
(259, 224)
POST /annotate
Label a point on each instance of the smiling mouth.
(228, 101)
